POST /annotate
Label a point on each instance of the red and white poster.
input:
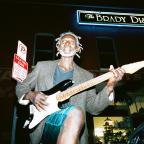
(20, 66)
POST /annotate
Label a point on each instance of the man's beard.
(71, 53)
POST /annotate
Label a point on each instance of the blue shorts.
(53, 124)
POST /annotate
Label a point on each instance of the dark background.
(21, 20)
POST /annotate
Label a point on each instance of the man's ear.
(57, 46)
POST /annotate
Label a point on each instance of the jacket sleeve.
(97, 102)
(28, 84)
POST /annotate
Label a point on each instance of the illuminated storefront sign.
(110, 18)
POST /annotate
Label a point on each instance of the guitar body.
(59, 87)
(52, 101)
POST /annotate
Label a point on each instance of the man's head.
(68, 44)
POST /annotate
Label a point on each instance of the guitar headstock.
(133, 67)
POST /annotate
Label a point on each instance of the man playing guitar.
(65, 124)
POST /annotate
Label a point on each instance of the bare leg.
(70, 131)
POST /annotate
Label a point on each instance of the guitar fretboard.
(128, 68)
(76, 89)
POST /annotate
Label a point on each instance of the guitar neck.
(128, 68)
(74, 90)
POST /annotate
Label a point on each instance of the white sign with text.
(20, 68)
(22, 50)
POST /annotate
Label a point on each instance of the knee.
(78, 115)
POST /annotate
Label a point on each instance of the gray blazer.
(41, 79)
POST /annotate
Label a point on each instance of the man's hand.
(117, 76)
(38, 99)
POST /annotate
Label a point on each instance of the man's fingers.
(43, 102)
(111, 67)
(118, 73)
(40, 106)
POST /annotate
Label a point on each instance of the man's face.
(67, 45)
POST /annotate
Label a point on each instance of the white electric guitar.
(60, 92)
